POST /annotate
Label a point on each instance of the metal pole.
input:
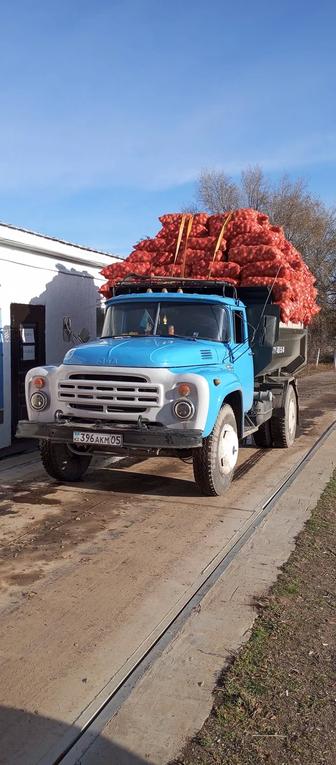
(318, 357)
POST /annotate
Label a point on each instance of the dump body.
(278, 349)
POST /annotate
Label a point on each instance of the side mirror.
(84, 335)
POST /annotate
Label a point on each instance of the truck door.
(241, 356)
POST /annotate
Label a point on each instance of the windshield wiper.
(118, 337)
(181, 337)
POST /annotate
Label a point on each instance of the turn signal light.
(184, 389)
(38, 382)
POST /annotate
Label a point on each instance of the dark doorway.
(27, 351)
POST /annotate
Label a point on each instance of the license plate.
(99, 439)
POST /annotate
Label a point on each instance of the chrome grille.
(103, 393)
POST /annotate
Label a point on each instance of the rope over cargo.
(220, 239)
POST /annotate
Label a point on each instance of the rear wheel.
(61, 463)
(215, 460)
(284, 428)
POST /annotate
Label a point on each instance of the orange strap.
(189, 226)
(179, 238)
(220, 239)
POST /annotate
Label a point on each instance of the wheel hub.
(292, 416)
(228, 449)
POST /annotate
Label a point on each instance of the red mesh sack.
(244, 254)
(215, 223)
(171, 218)
(150, 245)
(140, 256)
(163, 258)
(198, 230)
(267, 268)
(106, 289)
(202, 243)
(106, 271)
(201, 219)
(279, 286)
(114, 270)
(225, 269)
(256, 237)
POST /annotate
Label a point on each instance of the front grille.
(109, 393)
(93, 408)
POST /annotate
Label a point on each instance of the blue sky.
(111, 108)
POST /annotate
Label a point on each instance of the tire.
(263, 436)
(213, 463)
(284, 428)
(61, 463)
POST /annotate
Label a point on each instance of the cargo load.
(240, 247)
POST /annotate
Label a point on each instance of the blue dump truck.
(183, 368)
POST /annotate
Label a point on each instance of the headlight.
(183, 409)
(39, 401)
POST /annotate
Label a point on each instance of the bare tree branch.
(255, 188)
(217, 192)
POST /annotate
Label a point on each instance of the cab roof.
(175, 297)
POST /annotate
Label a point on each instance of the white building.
(48, 297)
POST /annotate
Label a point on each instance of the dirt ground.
(90, 572)
(312, 369)
(43, 524)
(276, 703)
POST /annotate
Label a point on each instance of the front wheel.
(61, 463)
(215, 460)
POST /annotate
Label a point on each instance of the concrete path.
(172, 701)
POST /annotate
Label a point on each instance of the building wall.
(65, 287)
(1, 375)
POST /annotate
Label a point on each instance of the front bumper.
(145, 437)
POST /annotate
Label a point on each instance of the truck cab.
(172, 374)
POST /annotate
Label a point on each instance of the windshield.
(167, 319)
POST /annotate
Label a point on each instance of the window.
(208, 321)
(238, 326)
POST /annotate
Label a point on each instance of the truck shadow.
(246, 466)
(163, 485)
(130, 482)
(30, 738)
